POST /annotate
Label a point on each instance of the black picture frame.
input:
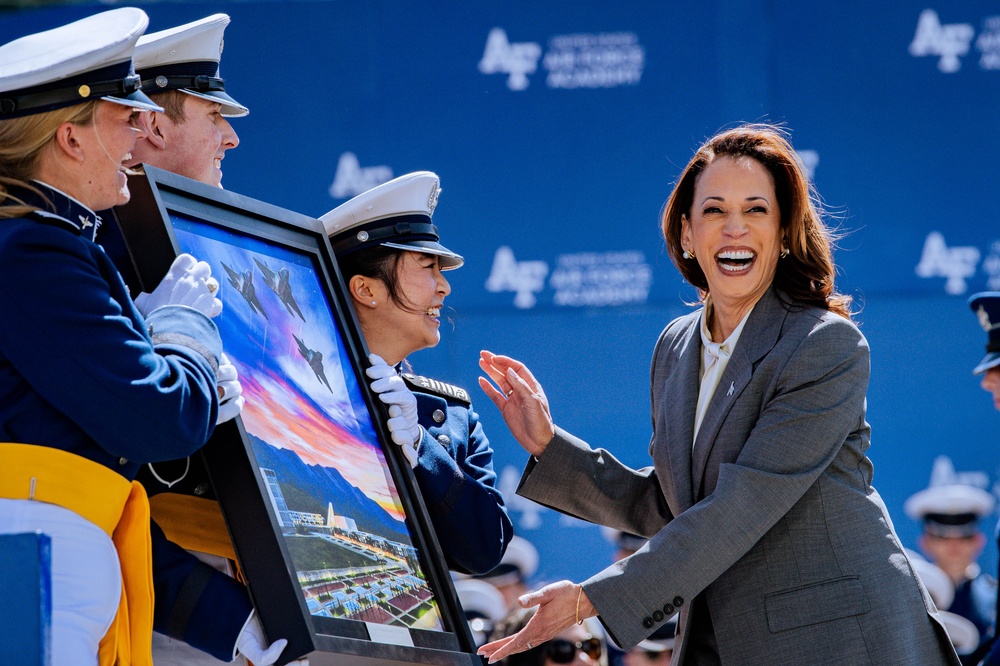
(364, 579)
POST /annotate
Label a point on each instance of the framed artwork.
(329, 528)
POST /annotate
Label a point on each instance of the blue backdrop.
(558, 128)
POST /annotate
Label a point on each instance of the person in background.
(766, 533)
(393, 264)
(986, 306)
(573, 645)
(92, 384)
(483, 605)
(953, 541)
(963, 634)
(515, 571)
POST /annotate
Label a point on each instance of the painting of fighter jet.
(243, 282)
(279, 282)
(315, 361)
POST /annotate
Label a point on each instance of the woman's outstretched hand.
(559, 606)
(521, 401)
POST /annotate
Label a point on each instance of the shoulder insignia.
(428, 385)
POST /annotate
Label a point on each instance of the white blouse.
(714, 359)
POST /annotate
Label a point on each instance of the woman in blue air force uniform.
(391, 259)
(92, 386)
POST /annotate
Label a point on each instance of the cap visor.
(137, 100)
(449, 260)
(991, 360)
(230, 107)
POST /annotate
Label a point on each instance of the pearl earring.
(374, 303)
(688, 255)
(784, 252)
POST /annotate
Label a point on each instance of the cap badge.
(432, 202)
(84, 90)
(984, 319)
(362, 236)
(161, 81)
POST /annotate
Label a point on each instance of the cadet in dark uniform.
(953, 541)
(90, 386)
(986, 306)
(390, 256)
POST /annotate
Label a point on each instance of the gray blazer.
(772, 518)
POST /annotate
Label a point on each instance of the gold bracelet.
(578, 595)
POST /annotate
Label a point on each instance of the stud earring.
(374, 303)
(784, 252)
(688, 255)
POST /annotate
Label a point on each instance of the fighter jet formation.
(279, 282)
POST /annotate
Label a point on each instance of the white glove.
(251, 642)
(188, 282)
(231, 398)
(391, 389)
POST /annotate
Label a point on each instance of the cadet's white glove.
(231, 398)
(251, 642)
(188, 282)
(402, 421)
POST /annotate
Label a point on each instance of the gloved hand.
(391, 389)
(251, 642)
(231, 398)
(188, 282)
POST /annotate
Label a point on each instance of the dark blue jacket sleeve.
(456, 479)
(195, 603)
(80, 358)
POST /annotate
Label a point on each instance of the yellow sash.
(194, 523)
(114, 504)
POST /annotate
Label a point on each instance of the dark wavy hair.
(806, 275)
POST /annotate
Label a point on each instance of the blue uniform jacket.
(456, 478)
(81, 371)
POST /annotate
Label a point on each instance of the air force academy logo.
(949, 41)
(517, 60)
(352, 179)
(957, 264)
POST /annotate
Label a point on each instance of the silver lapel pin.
(732, 387)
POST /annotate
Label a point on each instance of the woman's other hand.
(521, 401)
(559, 606)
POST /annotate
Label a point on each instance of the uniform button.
(658, 616)
(648, 622)
(438, 416)
(201, 489)
(123, 461)
(444, 439)
(678, 602)
(668, 609)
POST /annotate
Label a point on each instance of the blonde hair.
(806, 275)
(22, 141)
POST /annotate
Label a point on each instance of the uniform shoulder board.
(428, 385)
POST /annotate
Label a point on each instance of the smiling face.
(107, 143)
(192, 145)
(394, 328)
(734, 231)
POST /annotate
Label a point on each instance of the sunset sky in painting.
(287, 406)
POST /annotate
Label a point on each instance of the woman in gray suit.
(765, 531)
